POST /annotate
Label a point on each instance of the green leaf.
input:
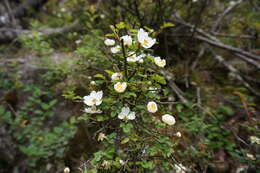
(110, 35)
(121, 25)
(126, 127)
(124, 141)
(101, 118)
(167, 25)
(158, 79)
(100, 76)
(109, 72)
(129, 94)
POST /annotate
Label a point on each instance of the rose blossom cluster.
(94, 99)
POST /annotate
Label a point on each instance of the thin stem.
(125, 59)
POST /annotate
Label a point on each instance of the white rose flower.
(127, 40)
(152, 107)
(132, 57)
(101, 136)
(141, 61)
(125, 114)
(115, 49)
(144, 39)
(255, 139)
(92, 83)
(159, 62)
(117, 76)
(66, 170)
(78, 41)
(178, 134)
(109, 42)
(92, 110)
(250, 156)
(95, 98)
(120, 87)
(168, 119)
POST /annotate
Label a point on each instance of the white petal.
(148, 42)
(141, 35)
(99, 95)
(121, 116)
(88, 110)
(88, 101)
(124, 84)
(168, 119)
(109, 42)
(115, 49)
(127, 40)
(125, 110)
(131, 116)
(93, 94)
(98, 102)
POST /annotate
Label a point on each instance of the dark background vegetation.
(213, 60)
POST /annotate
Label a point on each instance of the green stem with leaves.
(125, 59)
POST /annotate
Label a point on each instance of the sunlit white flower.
(180, 168)
(78, 41)
(66, 170)
(140, 58)
(178, 134)
(109, 42)
(127, 40)
(250, 156)
(144, 39)
(95, 98)
(125, 114)
(92, 83)
(92, 110)
(255, 139)
(132, 57)
(168, 119)
(102, 16)
(117, 76)
(152, 107)
(101, 136)
(120, 87)
(159, 62)
(115, 49)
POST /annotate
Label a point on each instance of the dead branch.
(222, 15)
(21, 10)
(11, 33)
(235, 36)
(227, 47)
(173, 86)
(234, 71)
(210, 39)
